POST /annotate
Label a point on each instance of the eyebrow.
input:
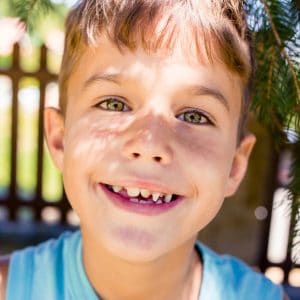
(204, 90)
(103, 76)
(199, 90)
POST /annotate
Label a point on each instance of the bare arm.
(4, 263)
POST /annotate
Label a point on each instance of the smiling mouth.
(142, 198)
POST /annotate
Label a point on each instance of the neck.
(176, 275)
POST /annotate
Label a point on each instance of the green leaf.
(30, 10)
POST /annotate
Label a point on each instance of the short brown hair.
(217, 28)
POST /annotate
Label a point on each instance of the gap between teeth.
(135, 192)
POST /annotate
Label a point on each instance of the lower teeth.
(144, 201)
(136, 200)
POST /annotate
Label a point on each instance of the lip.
(144, 209)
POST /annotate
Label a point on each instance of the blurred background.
(253, 225)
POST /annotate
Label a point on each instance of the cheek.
(207, 149)
(206, 160)
(93, 141)
(92, 135)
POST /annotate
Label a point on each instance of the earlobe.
(240, 164)
(54, 133)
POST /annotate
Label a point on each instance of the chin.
(141, 250)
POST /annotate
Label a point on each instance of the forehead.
(164, 71)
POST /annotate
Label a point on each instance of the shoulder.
(4, 264)
(47, 253)
(28, 264)
(237, 278)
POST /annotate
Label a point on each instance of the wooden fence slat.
(14, 134)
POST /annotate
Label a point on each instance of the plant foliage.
(275, 25)
(30, 10)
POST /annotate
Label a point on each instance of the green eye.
(195, 117)
(113, 104)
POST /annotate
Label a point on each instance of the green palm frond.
(275, 25)
(30, 10)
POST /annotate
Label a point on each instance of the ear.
(54, 133)
(239, 164)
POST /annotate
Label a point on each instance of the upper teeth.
(116, 188)
(145, 193)
(135, 192)
(155, 196)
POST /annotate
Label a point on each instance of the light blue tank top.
(53, 270)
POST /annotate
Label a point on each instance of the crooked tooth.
(116, 188)
(155, 196)
(133, 192)
(145, 193)
(168, 198)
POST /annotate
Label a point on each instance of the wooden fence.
(13, 200)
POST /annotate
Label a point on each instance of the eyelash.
(114, 99)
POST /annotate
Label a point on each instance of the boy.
(150, 139)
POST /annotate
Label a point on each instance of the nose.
(148, 144)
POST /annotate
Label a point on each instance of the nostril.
(157, 158)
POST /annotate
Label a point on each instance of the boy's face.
(173, 129)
